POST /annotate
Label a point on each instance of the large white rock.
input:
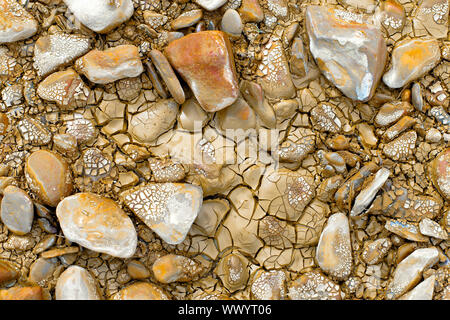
(101, 15)
(97, 223)
(409, 271)
(169, 209)
(423, 291)
(211, 5)
(76, 283)
(15, 22)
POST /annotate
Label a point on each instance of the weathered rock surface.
(349, 52)
(423, 291)
(15, 22)
(440, 173)
(314, 285)
(172, 268)
(76, 283)
(211, 5)
(141, 291)
(97, 223)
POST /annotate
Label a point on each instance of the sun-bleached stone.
(15, 22)
(76, 283)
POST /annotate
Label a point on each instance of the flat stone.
(97, 223)
(237, 116)
(48, 176)
(251, 11)
(58, 252)
(154, 20)
(17, 210)
(65, 88)
(349, 52)
(168, 75)
(314, 285)
(231, 23)
(111, 64)
(205, 61)
(366, 196)
(22, 293)
(137, 270)
(423, 291)
(7, 272)
(391, 112)
(169, 209)
(334, 250)
(141, 291)
(156, 119)
(101, 16)
(431, 228)
(375, 251)
(175, 268)
(440, 173)
(211, 5)
(409, 271)
(15, 22)
(405, 229)
(276, 80)
(56, 50)
(401, 148)
(411, 59)
(187, 19)
(76, 283)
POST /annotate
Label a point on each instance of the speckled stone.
(251, 11)
(175, 268)
(17, 210)
(349, 52)
(314, 285)
(440, 173)
(205, 61)
(187, 19)
(169, 209)
(231, 23)
(48, 176)
(15, 22)
(97, 223)
(76, 283)
(334, 250)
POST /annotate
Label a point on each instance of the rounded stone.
(48, 176)
(97, 223)
(17, 210)
(137, 270)
(171, 268)
(76, 283)
(141, 291)
(231, 23)
(192, 116)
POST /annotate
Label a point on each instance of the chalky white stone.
(211, 5)
(423, 291)
(97, 223)
(349, 52)
(15, 22)
(100, 15)
(409, 271)
(76, 283)
(334, 251)
(366, 196)
(431, 228)
(169, 209)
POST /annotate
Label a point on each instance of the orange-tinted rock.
(205, 61)
(111, 64)
(440, 173)
(411, 59)
(22, 293)
(15, 22)
(7, 272)
(251, 11)
(141, 291)
(97, 223)
(4, 123)
(349, 52)
(48, 176)
(171, 268)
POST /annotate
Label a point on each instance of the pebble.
(17, 210)
(423, 291)
(34, 131)
(147, 125)
(175, 268)
(137, 270)
(367, 135)
(15, 22)
(169, 209)
(22, 293)
(7, 272)
(237, 116)
(405, 229)
(350, 53)
(391, 112)
(76, 283)
(411, 59)
(233, 271)
(141, 291)
(65, 88)
(325, 119)
(251, 11)
(111, 64)
(400, 126)
(41, 270)
(401, 149)
(417, 97)
(440, 173)
(187, 19)
(254, 95)
(268, 285)
(47, 242)
(409, 271)
(334, 251)
(375, 251)
(299, 58)
(366, 196)
(205, 61)
(192, 117)
(314, 285)
(211, 5)
(431, 228)
(56, 50)
(231, 23)
(101, 16)
(97, 223)
(58, 252)
(154, 19)
(48, 176)
(168, 75)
